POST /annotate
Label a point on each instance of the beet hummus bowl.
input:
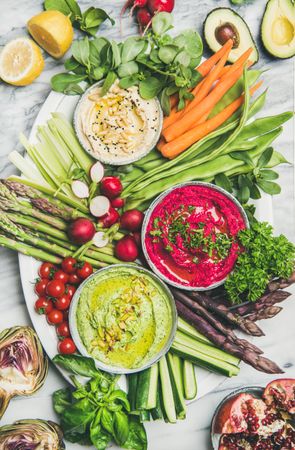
(189, 235)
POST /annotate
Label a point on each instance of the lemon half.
(21, 61)
(53, 31)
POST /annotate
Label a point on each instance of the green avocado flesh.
(278, 28)
(223, 24)
(124, 317)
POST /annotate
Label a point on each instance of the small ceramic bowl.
(74, 328)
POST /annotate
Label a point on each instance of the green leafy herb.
(96, 412)
(264, 257)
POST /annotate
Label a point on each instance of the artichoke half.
(23, 365)
(31, 435)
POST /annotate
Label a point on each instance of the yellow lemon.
(21, 61)
(53, 31)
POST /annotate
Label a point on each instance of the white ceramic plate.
(207, 381)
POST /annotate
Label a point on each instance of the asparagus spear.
(268, 313)
(28, 250)
(232, 317)
(281, 283)
(200, 310)
(269, 299)
(248, 356)
(36, 225)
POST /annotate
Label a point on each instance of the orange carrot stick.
(207, 65)
(178, 145)
(161, 144)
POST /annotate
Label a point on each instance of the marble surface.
(18, 109)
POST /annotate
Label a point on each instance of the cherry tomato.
(67, 346)
(43, 305)
(69, 265)
(85, 270)
(55, 288)
(74, 279)
(63, 329)
(54, 317)
(46, 270)
(40, 286)
(70, 290)
(61, 276)
(62, 302)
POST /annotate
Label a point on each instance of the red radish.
(96, 172)
(126, 249)
(80, 189)
(99, 205)
(111, 187)
(81, 231)
(111, 217)
(137, 237)
(156, 6)
(144, 19)
(117, 202)
(100, 239)
(132, 4)
(132, 219)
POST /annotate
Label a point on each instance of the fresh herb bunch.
(264, 257)
(89, 21)
(96, 412)
(159, 64)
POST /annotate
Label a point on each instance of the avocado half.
(222, 24)
(278, 28)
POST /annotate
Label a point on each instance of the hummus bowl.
(119, 127)
(124, 317)
(189, 235)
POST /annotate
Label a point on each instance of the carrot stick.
(178, 145)
(207, 65)
(161, 144)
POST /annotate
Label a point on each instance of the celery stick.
(26, 168)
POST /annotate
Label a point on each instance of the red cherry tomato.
(69, 265)
(63, 302)
(54, 317)
(63, 330)
(40, 286)
(61, 276)
(43, 305)
(67, 346)
(46, 270)
(74, 279)
(70, 290)
(85, 270)
(55, 288)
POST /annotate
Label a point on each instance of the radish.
(144, 19)
(80, 189)
(132, 4)
(137, 237)
(117, 202)
(156, 6)
(111, 187)
(100, 239)
(132, 219)
(99, 205)
(111, 217)
(96, 172)
(81, 231)
(126, 249)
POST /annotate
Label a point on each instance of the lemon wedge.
(21, 61)
(53, 31)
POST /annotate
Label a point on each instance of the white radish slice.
(80, 189)
(99, 205)
(100, 239)
(96, 172)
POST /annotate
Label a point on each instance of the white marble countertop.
(18, 109)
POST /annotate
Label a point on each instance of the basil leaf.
(269, 187)
(137, 438)
(92, 18)
(71, 63)
(107, 420)
(132, 47)
(254, 192)
(77, 364)
(121, 427)
(242, 156)
(127, 82)
(127, 69)
(61, 81)
(61, 400)
(161, 22)
(167, 53)
(116, 54)
(268, 174)
(81, 51)
(121, 396)
(108, 82)
(223, 181)
(78, 416)
(265, 158)
(99, 437)
(75, 8)
(73, 89)
(59, 5)
(150, 87)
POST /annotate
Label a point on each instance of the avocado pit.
(225, 32)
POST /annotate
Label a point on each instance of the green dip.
(124, 317)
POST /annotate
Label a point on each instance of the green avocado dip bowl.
(124, 317)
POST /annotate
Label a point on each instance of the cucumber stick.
(147, 386)
(178, 366)
(167, 392)
(189, 380)
(132, 388)
(156, 412)
(177, 388)
(188, 329)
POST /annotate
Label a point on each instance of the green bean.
(133, 175)
(152, 164)
(264, 125)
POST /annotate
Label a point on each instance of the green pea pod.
(264, 125)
